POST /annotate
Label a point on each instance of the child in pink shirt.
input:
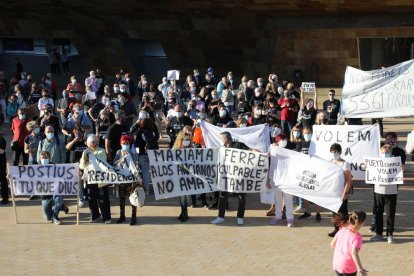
(347, 243)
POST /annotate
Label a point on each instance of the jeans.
(286, 126)
(145, 169)
(16, 156)
(280, 199)
(389, 204)
(48, 211)
(223, 199)
(81, 190)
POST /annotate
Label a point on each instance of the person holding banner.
(385, 199)
(224, 196)
(336, 151)
(98, 196)
(347, 244)
(308, 111)
(183, 140)
(121, 156)
(50, 213)
(3, 172)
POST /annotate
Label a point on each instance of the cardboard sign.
(308, 87)
(384, 171)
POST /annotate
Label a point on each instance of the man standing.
(224, 196)
(332, 106)
(113, 135)
(176, 124)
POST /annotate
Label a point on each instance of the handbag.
(137, 198)
(14, 145)
(267, 196)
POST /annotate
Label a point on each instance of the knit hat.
(126, 138)
(280, 137)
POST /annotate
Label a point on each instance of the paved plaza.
(161, 245)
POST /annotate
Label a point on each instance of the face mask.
(50, 136)
(22, 116)
(37, 130)
(186, 143)
(142, 116)
(116, 89)
(307, 137)
(246, 117)
(127, 79)
(259, 83)
(296, 134)
(335, 155)
(179, 114)
(276, 131)
(73, 81)
(214, 96)
(196, 74)
(385, 155)
(64, 95)
(122, 90)
(125, 147)
(223, 113)
(44, 161)
(283, 143)
(243, 125)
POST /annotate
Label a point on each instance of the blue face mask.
(296, 134)
(44, 161)
(50, 136)
(125, 147)
(385, 155)
(65, 95)
(22, 116)
(307, 137)
(37, 130)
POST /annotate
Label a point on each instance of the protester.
(125, 189)
(113, 135)
(3, 171)
(385, 199)
(32, 141)
(336, 151)
(98, 196)
(20, 132)
(332, 106)
(227, 140)
(347, 243)
(308, 111)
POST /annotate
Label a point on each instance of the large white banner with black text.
(387, 92)
(357, 142)
(310, 177)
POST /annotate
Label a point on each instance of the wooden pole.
(9, 177)
(78, 198)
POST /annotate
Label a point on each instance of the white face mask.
(186, 143)
(335, 155)
(243, 125)
(283, 143)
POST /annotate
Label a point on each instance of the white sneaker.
(81, 204)
(390, 239)
(217, 220)
(290, 223)
(108, 221)
(299, 209)
(240, 221)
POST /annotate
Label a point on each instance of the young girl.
(347, 243)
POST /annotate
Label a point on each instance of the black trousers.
(343, 210)
(346, 274)
(99, 201)
(222, 204)
(389, 204)
(16, 156)
(3, 180)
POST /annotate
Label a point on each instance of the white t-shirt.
(386, 189)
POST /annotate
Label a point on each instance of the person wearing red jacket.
(20, 132)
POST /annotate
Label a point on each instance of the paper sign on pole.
(308, 87)
(241, 171)
(311, 178)
(255, 137)
(56, 179)
(173, 74)
(387, 92)
(357, 142)
(384, 171)
(177, 172)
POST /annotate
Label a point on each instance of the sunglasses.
(331, 94)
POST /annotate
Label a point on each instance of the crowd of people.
(111, 117)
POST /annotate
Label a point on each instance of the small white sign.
(308, 87)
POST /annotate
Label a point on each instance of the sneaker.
(305, 215)
(275, 221)
(390, 239)
(240, 221)
(108, 221)
(81, 204)
(377, 238)
(299, 209)
(373, 228)
(56, 221)
(318, 217)
(217, 220)
(290, 223)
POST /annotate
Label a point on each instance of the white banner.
(53, 179)
(311, 178)
(357, 142)
(387, 92)
(102, 173)
(173, 74)
(255, 137)
(384, 171)
(308, 87)
(177, 172)
(241, 171)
